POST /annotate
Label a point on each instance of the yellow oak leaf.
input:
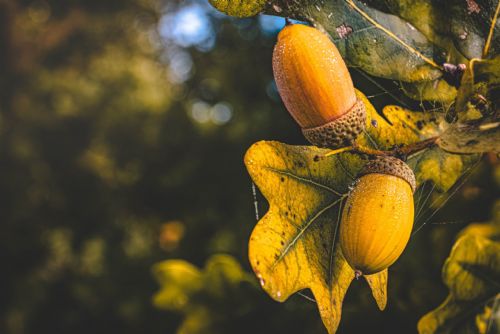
(472, 274)
(293, 246)
(400, 126)
(205, 297)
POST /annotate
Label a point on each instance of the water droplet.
(261, 280)
(278, 294)
(277, 8)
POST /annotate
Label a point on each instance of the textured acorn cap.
(391, 166)
(342, 131)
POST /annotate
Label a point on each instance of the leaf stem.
(401, 152)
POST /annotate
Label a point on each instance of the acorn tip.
(358, 274)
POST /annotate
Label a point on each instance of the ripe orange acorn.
(377, 218)
(316, 87)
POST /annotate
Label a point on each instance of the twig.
(401, 152)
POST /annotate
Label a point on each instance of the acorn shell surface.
(311, 76)
(377, 221)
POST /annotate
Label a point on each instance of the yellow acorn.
(377, 218)
(316, 87)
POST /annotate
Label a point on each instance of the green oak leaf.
(380, 44)
(408, 41)
(453, 23)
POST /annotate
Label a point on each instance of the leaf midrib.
(303, 230)
(304, 180)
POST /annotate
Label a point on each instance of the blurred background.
(123, 125)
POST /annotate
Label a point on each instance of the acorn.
(377, 218)
(316, 87)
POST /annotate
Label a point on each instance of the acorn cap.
(341, 131)
(391, 166)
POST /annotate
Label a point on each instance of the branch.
(399, 152)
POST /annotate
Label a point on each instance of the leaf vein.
(390, 34)
(293, 176)
(303, 229)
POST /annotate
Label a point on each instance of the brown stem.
(417, 147)
(400, 152)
